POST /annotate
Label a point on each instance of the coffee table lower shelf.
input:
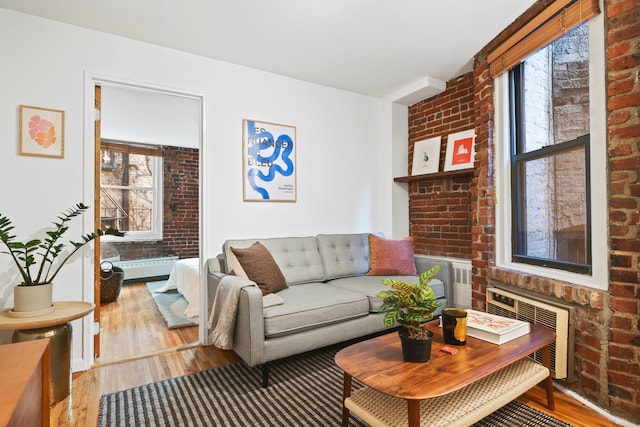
(459, 408)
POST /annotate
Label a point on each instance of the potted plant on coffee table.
(410, 305)
(37, 260)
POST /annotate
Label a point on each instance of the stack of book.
(493, 328)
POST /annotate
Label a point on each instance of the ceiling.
(372, 47)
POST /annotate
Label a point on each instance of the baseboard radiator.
(557, 317)
(145, 268)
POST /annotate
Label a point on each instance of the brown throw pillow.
(391, 257)
(260, 267)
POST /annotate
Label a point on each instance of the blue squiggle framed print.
(269, 162)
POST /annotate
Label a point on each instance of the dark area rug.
(305, 390)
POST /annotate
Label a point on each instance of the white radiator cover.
(143, 268)
(556, 317)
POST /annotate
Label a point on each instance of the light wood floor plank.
(132, 327)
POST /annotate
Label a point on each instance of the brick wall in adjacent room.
(181, 205)
(439, 207)
(607, 338)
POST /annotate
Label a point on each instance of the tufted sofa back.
(313, 258)
(297, 257)
(344, 255)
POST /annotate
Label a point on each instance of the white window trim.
(598, 152)
(157, 220)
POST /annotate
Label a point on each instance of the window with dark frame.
(550, 136)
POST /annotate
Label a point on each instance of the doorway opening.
(147, 170)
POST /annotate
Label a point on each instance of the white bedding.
(185, 277)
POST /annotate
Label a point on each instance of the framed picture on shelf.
(426, 156)
(269, 162)
(41, 132)
(460, 150)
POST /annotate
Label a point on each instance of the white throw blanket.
(225, 307)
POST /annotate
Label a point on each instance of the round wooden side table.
(57, 327)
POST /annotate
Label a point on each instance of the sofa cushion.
(371, 285)
(344, 255)
(391, 257)
(261, 268)
(297, 257)
(310, 306)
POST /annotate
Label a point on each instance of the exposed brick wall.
(607, 326)
(607, 341)
(623, 144)
(439, 208)
(181, 210)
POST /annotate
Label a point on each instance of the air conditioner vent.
(556, 317)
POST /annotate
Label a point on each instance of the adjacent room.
(306, 188)
(149, 189)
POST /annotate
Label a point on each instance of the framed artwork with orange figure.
(460, 150)
(41, 132)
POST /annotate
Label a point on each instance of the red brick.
(621, 7)
(625, 305)
(623, 101)
(618, 117)
(621, 86)
(625, 132)
(618, 49)
(621, 351)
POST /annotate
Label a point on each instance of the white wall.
(149, 117)
(342, 161)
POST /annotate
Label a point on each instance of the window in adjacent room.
(131, 190)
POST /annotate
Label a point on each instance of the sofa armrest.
(248, 340)
(425, 262)
(215, 265)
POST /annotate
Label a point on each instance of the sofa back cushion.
(344, 255)
(297, 257)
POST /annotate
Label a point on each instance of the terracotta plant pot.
(32, 300)
(414, 350)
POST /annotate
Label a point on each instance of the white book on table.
(493, 328)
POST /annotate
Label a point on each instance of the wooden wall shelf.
(433, 175)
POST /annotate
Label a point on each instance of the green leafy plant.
(410, 304)
(40, 254)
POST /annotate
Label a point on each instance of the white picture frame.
(460, 150)
(426, 156)
(269, 162)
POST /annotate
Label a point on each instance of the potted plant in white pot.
(410, 305)
(37, 263)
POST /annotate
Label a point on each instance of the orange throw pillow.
(391, 257)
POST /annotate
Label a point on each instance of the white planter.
(34, 300)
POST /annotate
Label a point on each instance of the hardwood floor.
(132, 326)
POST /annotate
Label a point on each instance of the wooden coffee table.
(460, 388)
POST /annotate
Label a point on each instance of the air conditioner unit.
(556, 317)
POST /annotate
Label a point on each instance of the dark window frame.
(518, 158)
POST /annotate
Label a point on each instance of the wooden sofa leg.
(265, 375)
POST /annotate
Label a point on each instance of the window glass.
(131, 193)
(553, 214)
(555, 98)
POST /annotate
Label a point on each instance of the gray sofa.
(330, 298)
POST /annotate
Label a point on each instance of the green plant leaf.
(430, 274)
(24, 253)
